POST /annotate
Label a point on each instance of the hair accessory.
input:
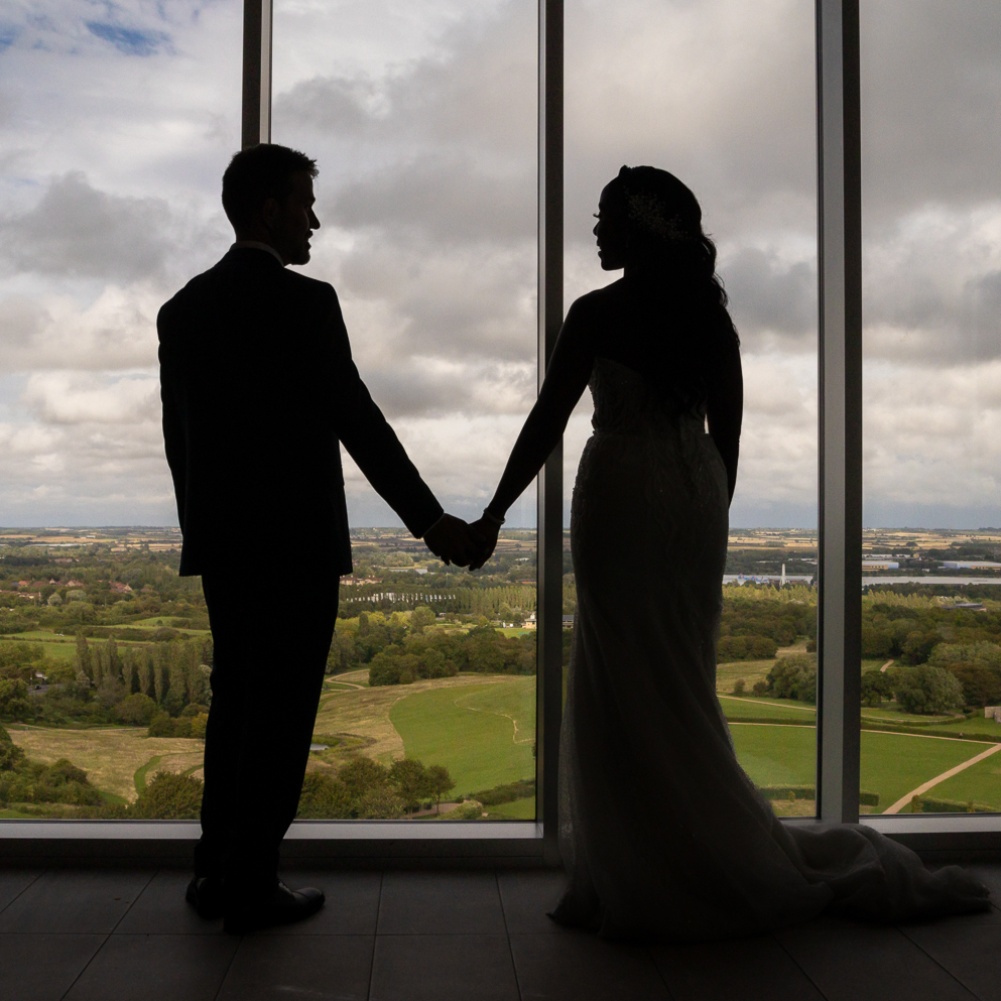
(646, 212)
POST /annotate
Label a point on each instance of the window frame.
(840, 515)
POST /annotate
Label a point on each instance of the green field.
(55, 646)
(893, 764)
(980, 784)
(483, 734)
(739, 708)
(519, 809)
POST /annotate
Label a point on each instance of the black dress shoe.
(204, 893)
(284, 907)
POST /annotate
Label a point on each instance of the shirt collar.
(257, 245)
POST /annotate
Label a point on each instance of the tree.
(84, 662)
(324, 797)
(918, 646)
(876, 687)
(439, 782)
(15, 703)
(409, 778)
(420, 618)
(136, 709)
(926, 690)
(380, 803)
(11, 756)
(169, 796)
(794, 677)
(361, 774)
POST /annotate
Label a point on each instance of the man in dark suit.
(259, 391)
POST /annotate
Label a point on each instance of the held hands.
(486, 530)
(455, 541)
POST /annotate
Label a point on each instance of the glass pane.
(722, 95)
(118, 121)
(931, 605)
(422, 116)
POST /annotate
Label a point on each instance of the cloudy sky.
(117, 118)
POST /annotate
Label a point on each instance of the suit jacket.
(258, 388)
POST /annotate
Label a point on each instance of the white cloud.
(114, 138)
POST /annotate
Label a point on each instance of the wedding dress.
(662, 833)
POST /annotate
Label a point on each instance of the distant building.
(970, 565)
(880, 565)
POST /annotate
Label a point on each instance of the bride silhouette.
(663, 835)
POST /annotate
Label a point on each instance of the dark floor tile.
(745, 968)
(72, 900)
(162, 910)
(156, 968)
(352, 906)
(526, 897)
(851, 961)
(440, 903)
(43, 967)
(443, 968)
(581, 967)
(13, 882)
(308, 966)
(967, 947)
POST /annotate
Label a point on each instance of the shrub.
(11, 756)
(794, 678)
(169, 796)
(136, 709)
(926, 690)
(876, 686)
(161, 725)
(323, 797)
(470, 810)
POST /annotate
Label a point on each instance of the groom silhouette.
(259, 391)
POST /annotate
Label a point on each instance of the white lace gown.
(662, 833)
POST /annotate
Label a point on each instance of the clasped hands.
(465, 545)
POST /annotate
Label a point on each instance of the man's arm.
(373, 444)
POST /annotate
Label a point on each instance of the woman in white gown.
(662, 833)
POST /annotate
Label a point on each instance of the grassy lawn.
(980, 784)
(365, 713)
(114, 758)
(519, 809)
(777, 755)
(894, 763)
(748, 670)
(482, 733)
(54, 645)
(739, 708)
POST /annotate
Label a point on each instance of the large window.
(723, 96)
(117, 119)
(423, 121)
(931, 256)
(435, 124)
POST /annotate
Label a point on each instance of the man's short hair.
(258, 173)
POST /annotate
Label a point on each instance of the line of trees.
(400, 647)
(170, 675)
(360, 789)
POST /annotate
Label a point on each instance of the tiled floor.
(115, 935)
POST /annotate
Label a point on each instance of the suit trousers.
(269, 658)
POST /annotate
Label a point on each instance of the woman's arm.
(566, 377)
(725, 411)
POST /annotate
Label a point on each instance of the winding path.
(921, 789)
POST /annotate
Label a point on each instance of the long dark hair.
(664, 222)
